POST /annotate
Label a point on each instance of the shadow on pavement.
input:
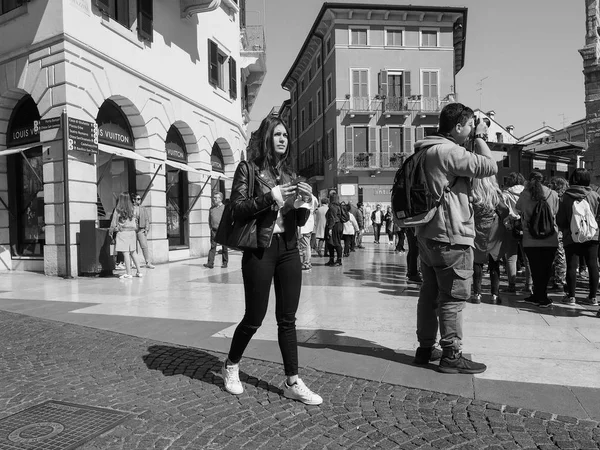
(333, 340)
(389, 278)
(195, 364)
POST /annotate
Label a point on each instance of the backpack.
(583, 223)
(541, 223)
(412, 202)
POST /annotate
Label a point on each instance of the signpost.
(46, 124)
(83, 136)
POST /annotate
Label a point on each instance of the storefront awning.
(12, 151)
(188, 168)
(124, 153)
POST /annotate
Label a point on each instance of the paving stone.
(176, 398)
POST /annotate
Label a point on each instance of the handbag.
(235, 233)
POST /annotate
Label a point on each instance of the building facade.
(100, 97)
(368, 82)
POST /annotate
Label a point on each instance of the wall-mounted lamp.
(347, 96)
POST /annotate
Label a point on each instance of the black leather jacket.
(263, 206)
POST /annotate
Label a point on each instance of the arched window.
(26, 182)
(216, 160)
(115, 174)
(176, 191)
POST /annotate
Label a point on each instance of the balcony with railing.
(371, 160)
(412, 104)
(253, 59)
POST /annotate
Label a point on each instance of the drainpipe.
(323, 100)
(67, 215)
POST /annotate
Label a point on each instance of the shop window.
(26, 183)
(176, 191)
(9, 5)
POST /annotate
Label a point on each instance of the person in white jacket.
(512, 243)
(305, 233)
(350, 230)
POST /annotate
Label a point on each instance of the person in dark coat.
(579, 189)
(334, 230)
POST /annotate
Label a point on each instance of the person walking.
(377, 219)
(350, 230)
(334, 230)
(214, 219)
(540, 251)
(306, 231)
(124, 223)
(388, 218)
(360, 219)
(143, 227)
(490, 212)
(558, 280)
(320, 222)
(276, 261)
(577, 193)
(446, 242)
(513, 240)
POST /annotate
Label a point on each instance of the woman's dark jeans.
(589, 252)
(260, 268)
(540, 262)
(494, 268)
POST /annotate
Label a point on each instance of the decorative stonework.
(591, 70)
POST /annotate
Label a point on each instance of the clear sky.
(527, 51)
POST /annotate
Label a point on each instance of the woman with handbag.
(278, 210)
(124, 223)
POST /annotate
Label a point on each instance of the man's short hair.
(580, 177)
(324, 201)
(453, 114)
(359, 205)
(219, 194)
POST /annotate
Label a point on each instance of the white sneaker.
(299, 391)
(231, 378)
(139, 274)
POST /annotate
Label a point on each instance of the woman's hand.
(304, 189)
(288, 191)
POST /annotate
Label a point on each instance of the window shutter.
(145, 18)
(232, 78)
(383, 83)
(420, 133)
(385, 140)
(349, 141)
(372, 139)
(103, 5)
(408, 144)
(406, 77)
(213, 63)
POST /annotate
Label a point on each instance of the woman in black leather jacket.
(279, 211)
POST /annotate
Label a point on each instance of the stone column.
(591, 71)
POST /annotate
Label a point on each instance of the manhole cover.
(56, 425)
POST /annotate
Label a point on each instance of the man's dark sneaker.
(546, 303)
(224, 266)
(330, 263)
(425, 355)
(414, 278)
(598, 314)
(338, 262)
(460, 364)
(531, 299)
(496, 300)
(209, 266)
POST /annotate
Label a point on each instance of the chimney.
(491, 114)
(510, 128)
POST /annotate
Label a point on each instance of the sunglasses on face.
(138, 199)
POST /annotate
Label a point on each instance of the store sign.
(83, 136)
(539, 164)
(217, 164)
(175, 152)
(114, 134)
(562, 167)
(24, 135)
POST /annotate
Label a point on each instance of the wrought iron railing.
(416, 103)
(371, 160)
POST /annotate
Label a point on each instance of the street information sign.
(83, 136)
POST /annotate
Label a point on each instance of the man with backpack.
(446, 240)
(577, 218)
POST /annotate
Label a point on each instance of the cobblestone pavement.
(177, 397)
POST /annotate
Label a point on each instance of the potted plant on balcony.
(396, 159)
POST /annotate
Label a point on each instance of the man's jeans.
(447, 272)
(213, 250)
(143, 242)
(304, 248)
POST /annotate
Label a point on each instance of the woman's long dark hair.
(262, 151)
(535, 186)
